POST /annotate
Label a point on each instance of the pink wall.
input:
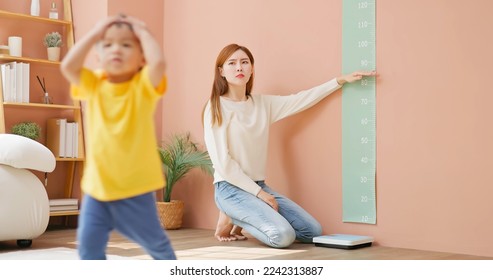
(433, 111)
(433, 122)
(85, 14)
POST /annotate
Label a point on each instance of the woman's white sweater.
(238, 148)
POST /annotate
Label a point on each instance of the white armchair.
(24, 204)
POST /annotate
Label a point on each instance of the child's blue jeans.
(136, 218)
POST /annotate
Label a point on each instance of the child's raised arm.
(153, 53)
(74, 60)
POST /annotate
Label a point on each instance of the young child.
(122, 169)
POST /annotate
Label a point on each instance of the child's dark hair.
(121, 23)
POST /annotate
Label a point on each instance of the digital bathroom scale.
(343, 241)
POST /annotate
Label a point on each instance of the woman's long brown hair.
(220, 85)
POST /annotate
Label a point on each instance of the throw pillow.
(22, 152)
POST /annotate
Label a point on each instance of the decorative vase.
(170, 213)
(35, 8)
(54, 53)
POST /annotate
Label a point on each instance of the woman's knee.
(282, 238)
(312, 230)
(316, 229)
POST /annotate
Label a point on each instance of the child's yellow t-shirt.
(122, 159)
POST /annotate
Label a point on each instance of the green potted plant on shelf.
(30, 130)
(179, 155)
(53, 42)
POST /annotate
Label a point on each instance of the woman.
(236, 129)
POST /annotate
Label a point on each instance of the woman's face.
(237, 69)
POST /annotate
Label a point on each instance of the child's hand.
(103, 24)
(153, 54)
(355, 76)
(138, 26)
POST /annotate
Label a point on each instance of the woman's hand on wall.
(355, 76)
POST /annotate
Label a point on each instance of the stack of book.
(64, 204)
(62, 138)
(15, 82)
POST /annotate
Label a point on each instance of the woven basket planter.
(170, 213)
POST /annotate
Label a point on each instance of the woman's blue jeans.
(277, 229)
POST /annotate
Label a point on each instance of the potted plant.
(53, 42)
(179, 155)
(30, 130)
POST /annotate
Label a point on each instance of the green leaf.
(179, 156)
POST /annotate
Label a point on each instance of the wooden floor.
(199, 244)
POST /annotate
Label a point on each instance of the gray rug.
(59, 253)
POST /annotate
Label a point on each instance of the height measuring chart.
(358, 113)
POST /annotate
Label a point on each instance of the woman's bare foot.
(223, 228)
(236, 232)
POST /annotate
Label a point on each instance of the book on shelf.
(15, 81)
(69, 138)
(64, 208)
(62, 138)
(26, 69)
(5, 69)
(75, 142)
(64, 202)
(55, 136)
